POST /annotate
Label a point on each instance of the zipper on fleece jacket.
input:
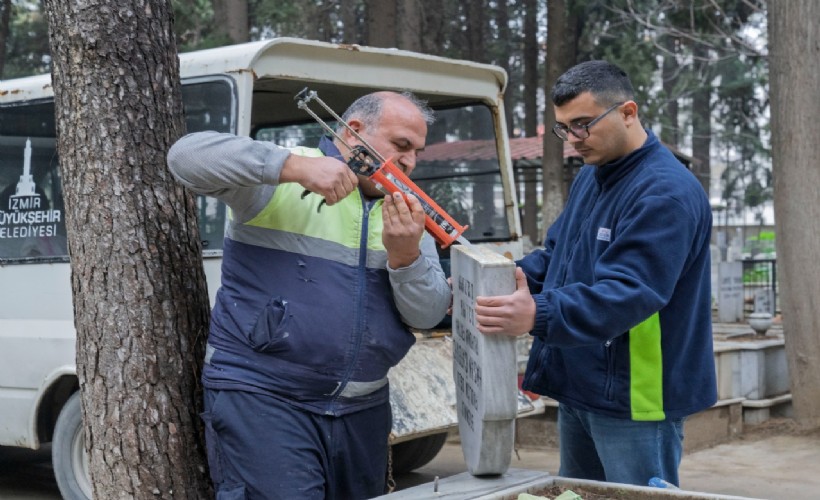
(359, 304)
(609, 351)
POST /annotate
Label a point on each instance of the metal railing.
(760, 286)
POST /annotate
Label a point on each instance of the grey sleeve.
(420, 290)
(239, 171)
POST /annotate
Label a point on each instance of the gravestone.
(730, 292)
(484, 366)
(764, 301)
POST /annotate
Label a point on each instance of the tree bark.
(381, 23)
(670, 131)
(434, 14)
(702, 119)
(505, 41)
(349, 13)
(794, 70)
(476, 30)
(140, 298)
(560, 56)
(530, 55)
(5, 16)
(408, 25)
(232, 19)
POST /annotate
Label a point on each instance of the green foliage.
(710, 44)
(761, 246)
(194, 25)
(27, 52)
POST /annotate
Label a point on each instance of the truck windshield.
(459, 168)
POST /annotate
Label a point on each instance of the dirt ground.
(773, 460)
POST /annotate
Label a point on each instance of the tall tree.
(5, 17)
(381, 23)
(505, 48)
(351, 13)
(794, 68)
(670, 129)
(140, 299)
(706, 34)
(232, 20)
(702, 118)
(561, 43)
(408, 25)
(476, 30)
(435, 14)
(531, 59)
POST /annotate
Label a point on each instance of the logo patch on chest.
(604, 234)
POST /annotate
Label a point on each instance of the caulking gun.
(365, 160)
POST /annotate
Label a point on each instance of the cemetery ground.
(772, 460)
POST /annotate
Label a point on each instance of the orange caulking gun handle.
(441, 226)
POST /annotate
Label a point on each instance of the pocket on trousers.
(270, 331)
(231, 493)
(212, 449)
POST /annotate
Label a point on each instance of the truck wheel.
(68, 455)
(411, 455)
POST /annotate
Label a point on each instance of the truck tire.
(410, 455)
(68, 455)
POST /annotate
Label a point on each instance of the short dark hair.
(368, 108)
(606, 82)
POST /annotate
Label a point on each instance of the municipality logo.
(26, 213)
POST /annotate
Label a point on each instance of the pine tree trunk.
(5, 17)
(530, 56)
(794, 70)
(435, 14)
(349, 12)
(505, 48)
(560, 56)
(381, 23)
(670, 131)
(232, 19)
(408, 25)
(702, 120)
(140, 299)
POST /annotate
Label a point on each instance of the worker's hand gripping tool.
(366, 161)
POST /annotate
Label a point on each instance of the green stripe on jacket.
(646, 370)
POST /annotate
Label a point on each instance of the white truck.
(248, 90)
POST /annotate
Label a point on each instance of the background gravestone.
(730, 292)
(484, 366)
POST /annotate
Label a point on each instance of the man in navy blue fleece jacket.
(619, 299)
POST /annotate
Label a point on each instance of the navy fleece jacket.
(622, 291)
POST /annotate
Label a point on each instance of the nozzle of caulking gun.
(464, 241)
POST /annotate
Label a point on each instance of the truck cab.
(249, 90)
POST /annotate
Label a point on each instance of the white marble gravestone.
(484, 366)
(730, 292)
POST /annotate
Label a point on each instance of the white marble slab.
(484, 366)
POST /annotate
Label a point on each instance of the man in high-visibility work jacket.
(317, 296)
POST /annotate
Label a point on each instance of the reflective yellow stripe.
(340, 223)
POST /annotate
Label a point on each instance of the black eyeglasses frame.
(562, 132)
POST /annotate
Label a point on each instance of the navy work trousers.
(260, 447)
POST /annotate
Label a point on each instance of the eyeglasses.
(562, 132)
